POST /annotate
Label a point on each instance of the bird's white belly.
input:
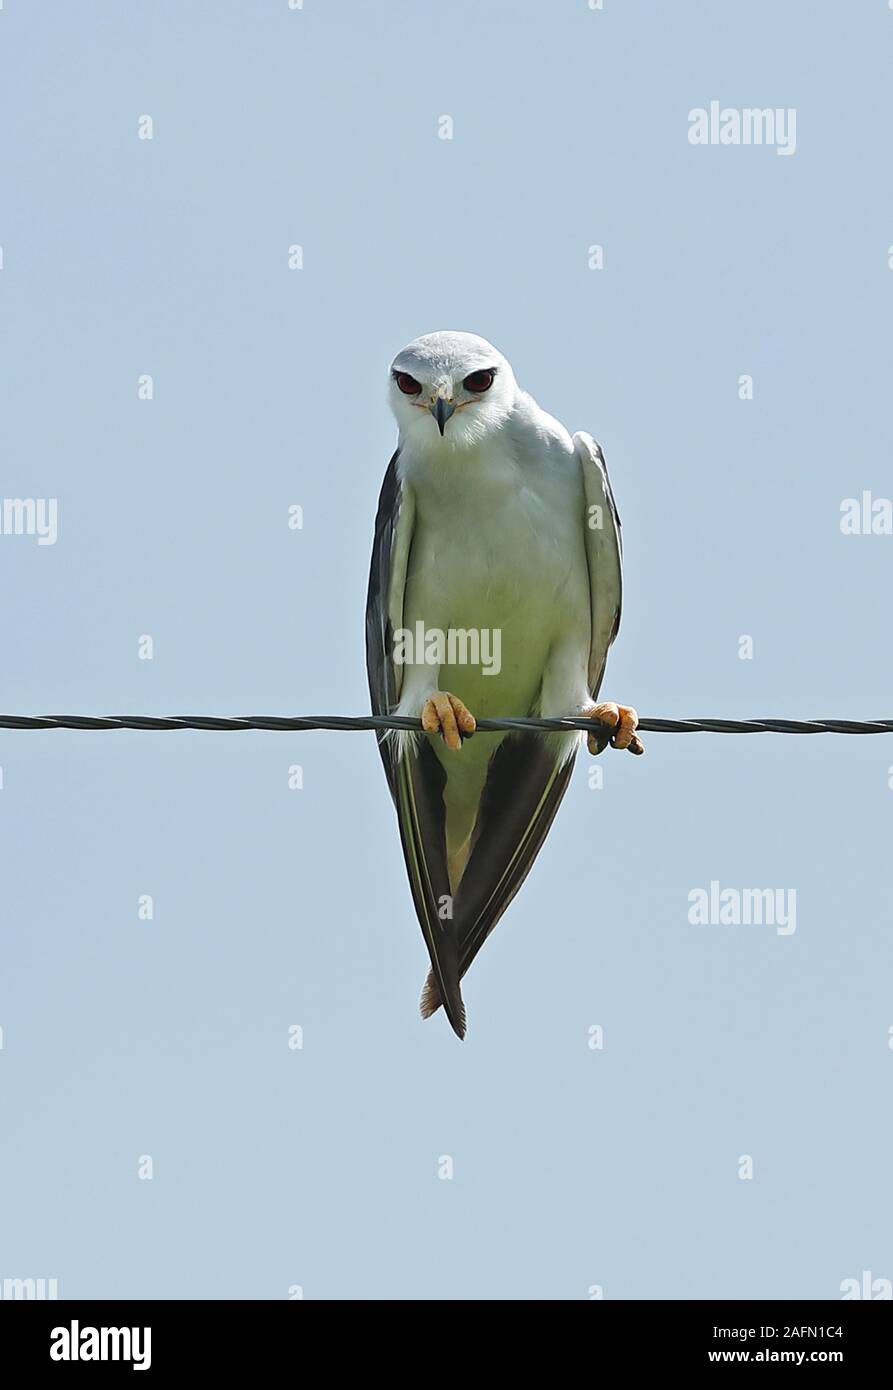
(514, 581)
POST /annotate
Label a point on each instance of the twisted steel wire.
(275, 724)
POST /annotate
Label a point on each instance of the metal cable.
(272, 723)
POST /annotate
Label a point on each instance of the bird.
(495, 589)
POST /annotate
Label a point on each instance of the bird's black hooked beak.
(442, 410)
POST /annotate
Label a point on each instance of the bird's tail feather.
(447, 989)
(430, 1000)
(418, 785)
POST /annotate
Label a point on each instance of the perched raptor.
(494, 590)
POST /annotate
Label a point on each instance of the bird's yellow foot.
(445, 714)
(622, 719)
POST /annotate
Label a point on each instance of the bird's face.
(450, 390)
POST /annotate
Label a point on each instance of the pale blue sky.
(318, 1167)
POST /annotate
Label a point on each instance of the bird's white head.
(450, 390)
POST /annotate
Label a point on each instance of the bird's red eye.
(479, 381)
(408, 384)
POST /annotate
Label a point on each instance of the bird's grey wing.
(394, 524)
(604, 555)
(528, 776)
(416, 779)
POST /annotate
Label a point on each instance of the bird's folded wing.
(604, 555)
(391, 546)
(417, 779)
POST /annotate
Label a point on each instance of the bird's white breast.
(498, 545)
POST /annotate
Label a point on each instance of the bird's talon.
(445, 714)
(619, 728)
